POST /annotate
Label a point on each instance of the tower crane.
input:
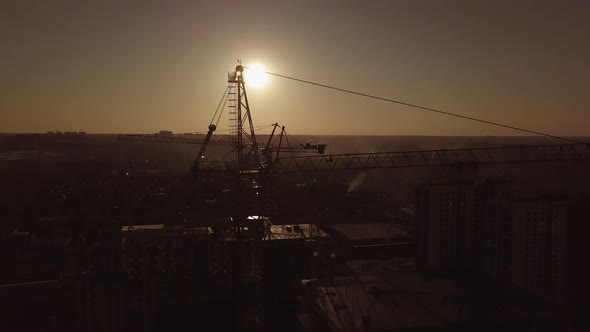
(243, 139)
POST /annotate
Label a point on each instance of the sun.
(255, 75)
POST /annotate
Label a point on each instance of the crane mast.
(248, 156)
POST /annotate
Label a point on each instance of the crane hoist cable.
(293, 138)
(424, 108)
(263, 127)
(212, 128)
(220, 107)
(288, 144)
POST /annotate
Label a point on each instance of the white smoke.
(357, 181)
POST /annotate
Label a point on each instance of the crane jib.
(460, 158)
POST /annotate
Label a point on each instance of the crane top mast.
(241, 125)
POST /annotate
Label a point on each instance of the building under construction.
(154, 277)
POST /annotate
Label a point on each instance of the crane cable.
(294, 138)
(424, 108)
(261, 127)
(220, 107)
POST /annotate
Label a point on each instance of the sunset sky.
(143, 66)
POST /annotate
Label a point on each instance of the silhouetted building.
(530, 243)
(538, 242)
(159, 277)
(526, 241)
(290, 252)
(445, 225)
(144, 278)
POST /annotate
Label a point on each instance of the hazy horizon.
(266, 134)
(138, 66)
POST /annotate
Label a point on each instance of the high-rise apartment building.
(445, 224)
(525, 241)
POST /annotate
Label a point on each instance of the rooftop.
(142, 227)
(295, 231)
(387, 300)
(369, 232)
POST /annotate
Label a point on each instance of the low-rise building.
(380, 296)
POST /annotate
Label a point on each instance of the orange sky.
(142, 66)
